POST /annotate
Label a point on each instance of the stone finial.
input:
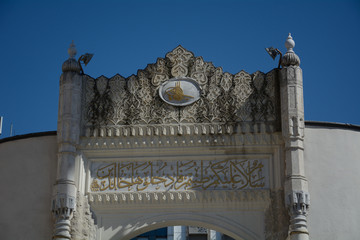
(72, 50)
(71, 65)
(289, 43)
(290, 58)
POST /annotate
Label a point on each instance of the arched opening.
(227, 227)
(183, 233)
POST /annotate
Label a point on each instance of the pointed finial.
(290, 58)
(71, 65)
(72, 50)
(289, 43)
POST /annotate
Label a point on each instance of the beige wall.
(27, 173)
(332, 162)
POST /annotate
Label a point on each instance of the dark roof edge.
(29, 135)
(332, 125)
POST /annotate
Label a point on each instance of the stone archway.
(217, 223)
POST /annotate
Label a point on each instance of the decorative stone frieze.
(226, 99)
(179, 141)
(243, 199)
(180, 130)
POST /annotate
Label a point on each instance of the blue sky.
(127, 35)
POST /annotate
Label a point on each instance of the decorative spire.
(289, 43)
(71, 65)
(72, 50)
(290, 58)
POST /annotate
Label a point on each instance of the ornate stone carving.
(63, 207)
(298, 203)
(82, 224)
(205, 135)
(290, 58)
(226, 99)
(245, 198)
(101, 107)
(179, 59)
(160, 72)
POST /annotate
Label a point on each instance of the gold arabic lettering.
(179, 175)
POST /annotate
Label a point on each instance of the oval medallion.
(180, 91)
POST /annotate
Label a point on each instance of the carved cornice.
(222, 199)
(182, 129)
(180, 141)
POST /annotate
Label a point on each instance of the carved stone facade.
(242, 102)
(139, 162)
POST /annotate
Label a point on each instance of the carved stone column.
(292, 114)
(298, 203)
(64, 195)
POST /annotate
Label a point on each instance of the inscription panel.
(159, 175)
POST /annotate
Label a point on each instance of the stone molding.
(179, 141)
(180, 129)
(221, 199)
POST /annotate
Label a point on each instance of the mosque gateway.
(181, 151)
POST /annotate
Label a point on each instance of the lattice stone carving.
(226, 99)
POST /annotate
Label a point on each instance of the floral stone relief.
(225, 98)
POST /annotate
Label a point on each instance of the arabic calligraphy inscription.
(179, 175)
